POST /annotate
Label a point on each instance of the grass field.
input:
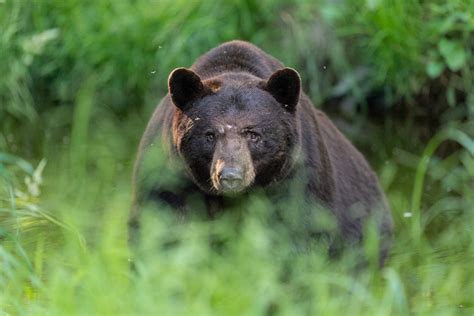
(77, 262)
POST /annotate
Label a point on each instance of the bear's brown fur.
(238, 120)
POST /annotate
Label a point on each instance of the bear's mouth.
(231, 192)
(231, 189)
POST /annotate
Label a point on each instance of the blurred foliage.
(407, 43)
(79, 80)
(238, 263)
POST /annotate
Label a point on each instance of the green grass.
(75, 258)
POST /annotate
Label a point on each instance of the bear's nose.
(231, 179)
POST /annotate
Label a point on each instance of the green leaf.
(11, 159)
(434, 69)
(453, 53)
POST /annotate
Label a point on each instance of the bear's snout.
(231, 179)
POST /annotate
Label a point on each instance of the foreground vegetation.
(77, 262)
(79, 82)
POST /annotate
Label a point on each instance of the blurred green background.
(79, 80)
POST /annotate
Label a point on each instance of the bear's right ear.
(184, 86)
(285, 85)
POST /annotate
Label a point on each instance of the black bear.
(237, 121)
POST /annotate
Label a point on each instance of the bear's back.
(236, 56)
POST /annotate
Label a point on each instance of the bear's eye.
(210, 137)
(252, 136)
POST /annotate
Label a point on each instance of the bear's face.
(235, 131)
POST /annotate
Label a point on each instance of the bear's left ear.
(184, 86)
(284, 85)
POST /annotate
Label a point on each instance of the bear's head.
(235, 130)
